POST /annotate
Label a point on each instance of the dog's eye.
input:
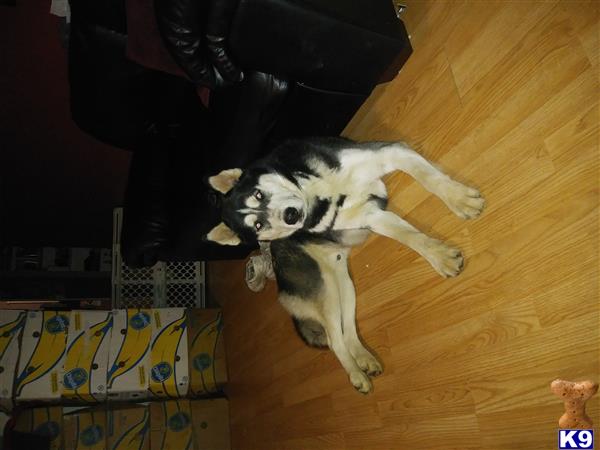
(258, 195)
(257, 225)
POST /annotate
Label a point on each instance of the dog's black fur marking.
(311, 332)
(296, 271)
(338, 205)
(317, 212)
(381, 201)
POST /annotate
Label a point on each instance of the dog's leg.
(446, 260)
(332, 314)
(464, 201)
(365, 360)
(325, 309)
(382, 158)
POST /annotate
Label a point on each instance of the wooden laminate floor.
(503, 96)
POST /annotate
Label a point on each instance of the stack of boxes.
(116, 379)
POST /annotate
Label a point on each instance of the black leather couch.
(307, 67)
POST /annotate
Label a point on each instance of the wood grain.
(503, 96)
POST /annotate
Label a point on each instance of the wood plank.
(450, 433)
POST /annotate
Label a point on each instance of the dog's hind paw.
(464, 201)
(361, 382)
(369, 364)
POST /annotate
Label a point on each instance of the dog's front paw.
(464, 201)
(447, 261)
(369, 364)
(361, 382)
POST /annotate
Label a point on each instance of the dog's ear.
(222, 234)
(224, 181)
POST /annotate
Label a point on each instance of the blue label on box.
(57, 324)
(139, 321)
(179, 421)
(91, 436)
(75, 378)
(161, 372)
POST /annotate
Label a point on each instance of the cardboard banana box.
(43, 345)
(11, 328)
(128, 428)
(171, 425)
(85, 429)
(129, 354)
(85, 367)
(169, 376)
(208, 366)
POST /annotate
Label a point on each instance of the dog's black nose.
(291, 215)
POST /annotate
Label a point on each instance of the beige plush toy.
(574, 394)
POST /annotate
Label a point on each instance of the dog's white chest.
(350, 192)
(351, 215)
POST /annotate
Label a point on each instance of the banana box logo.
(208, 367)
(169, 353)
(85, 367)
(171, 425)
(85, 430)
(129, 428)
(11, 327)
(43, 346)
(129, 354)
(47, 422)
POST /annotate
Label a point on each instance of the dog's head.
(258, 204)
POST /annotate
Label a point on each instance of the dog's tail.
(311, 332)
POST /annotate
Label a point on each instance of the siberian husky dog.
(316, 198)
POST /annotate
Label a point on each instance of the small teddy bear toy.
(574, 394)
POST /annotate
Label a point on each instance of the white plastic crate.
(166, 284)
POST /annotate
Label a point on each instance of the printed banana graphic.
(178, 426)
(9, 330)
(202, 353)
(135, 345)
(49, 349)
(163, 358)
(133, 439)
(79, 362)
